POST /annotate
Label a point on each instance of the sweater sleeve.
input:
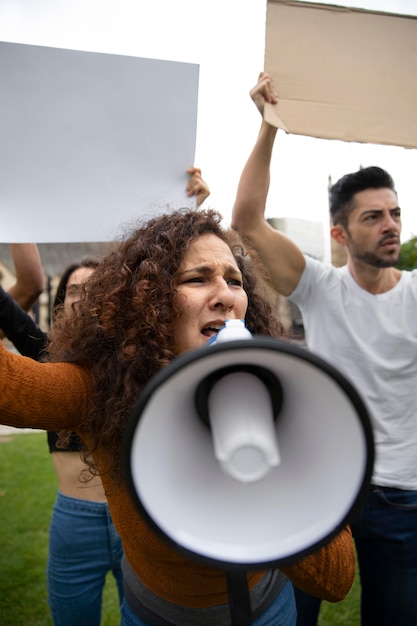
(20, 328)
(50, 396)
(328, 573)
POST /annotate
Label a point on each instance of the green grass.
(345, 613)
(27, 492)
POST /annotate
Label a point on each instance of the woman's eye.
(235, 281)
(195, 279)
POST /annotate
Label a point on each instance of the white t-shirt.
(372, 340)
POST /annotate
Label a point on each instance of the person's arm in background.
(284, 260)
(30, 281)
(196, 186)
(19, 327)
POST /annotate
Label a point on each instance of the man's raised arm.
(281, 256)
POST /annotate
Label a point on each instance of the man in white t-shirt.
(362, 318)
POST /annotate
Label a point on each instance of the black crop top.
(74, 445)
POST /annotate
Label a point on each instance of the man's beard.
(372, 258)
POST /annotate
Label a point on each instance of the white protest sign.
(89, 142)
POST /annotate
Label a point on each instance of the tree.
(408, 256)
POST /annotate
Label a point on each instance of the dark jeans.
(385, 534)
(308, 608)
(386, 543)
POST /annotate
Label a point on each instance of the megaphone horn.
(291, 493)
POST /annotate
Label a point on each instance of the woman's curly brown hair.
(121, 331)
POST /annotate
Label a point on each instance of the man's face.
(374, 228)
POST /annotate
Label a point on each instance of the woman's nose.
(224, 298)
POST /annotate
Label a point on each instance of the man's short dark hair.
(343, 191)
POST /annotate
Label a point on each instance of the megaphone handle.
(239, 600)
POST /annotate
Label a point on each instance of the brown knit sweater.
(52, 396)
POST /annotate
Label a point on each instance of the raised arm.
(29, 274)
(281, 256)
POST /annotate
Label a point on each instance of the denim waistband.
(392, 489)
(78, 504)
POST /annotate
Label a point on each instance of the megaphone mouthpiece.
(233, 329)
(242, 426)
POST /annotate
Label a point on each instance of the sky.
(226, 38)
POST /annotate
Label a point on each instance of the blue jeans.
(83, 547)
(281, 612)
(386, 541)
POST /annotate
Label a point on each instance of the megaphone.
(248, 453)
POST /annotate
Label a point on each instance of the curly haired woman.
(157, 295)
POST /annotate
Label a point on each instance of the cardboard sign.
(343, 73)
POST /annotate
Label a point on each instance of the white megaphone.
(251, 452)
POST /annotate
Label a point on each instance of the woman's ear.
(339, 234)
